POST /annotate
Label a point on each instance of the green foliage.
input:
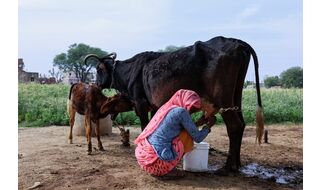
(41, 105)
(292, 78)
(272, 81)
(73, 60)
(247, 83)
(279, 105)
(170, 48)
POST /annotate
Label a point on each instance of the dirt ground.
(46, 157)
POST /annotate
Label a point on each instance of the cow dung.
(79, 128)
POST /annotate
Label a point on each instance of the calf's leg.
(88, 133)
(71, 122)
(97, 129)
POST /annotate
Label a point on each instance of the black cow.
(215, 69)
(126, 77)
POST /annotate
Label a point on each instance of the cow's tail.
(259, 111)
(69, 103)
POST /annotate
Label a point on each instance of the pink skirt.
(150, 162)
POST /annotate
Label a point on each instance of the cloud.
(132, 26)
(111, 25)
(246, 13)
(249, 11)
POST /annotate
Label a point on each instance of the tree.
(272, 81)
(292, 78)
(72, 61)
(248, 83)
(170, 48)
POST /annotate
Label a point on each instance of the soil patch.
(46, 157)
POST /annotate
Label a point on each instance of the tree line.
(290, 78)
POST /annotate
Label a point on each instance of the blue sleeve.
(191, 128)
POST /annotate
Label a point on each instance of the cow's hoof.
(226, 172)
(222, 172)
(70, 141)
(126, 144)
(102, 149)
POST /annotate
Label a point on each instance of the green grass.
(41, 105)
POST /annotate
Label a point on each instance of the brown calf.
(89, 101)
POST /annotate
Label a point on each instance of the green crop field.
(42, 105)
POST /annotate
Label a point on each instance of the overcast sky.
(272, 27)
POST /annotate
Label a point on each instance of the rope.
(235, 108)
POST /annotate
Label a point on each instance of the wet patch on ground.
(286, 175)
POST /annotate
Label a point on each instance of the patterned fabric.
(149, 161)
(145, 154)
(182, 98)
(170, 127)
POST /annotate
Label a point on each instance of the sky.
(48, 27)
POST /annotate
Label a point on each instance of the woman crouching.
(169, 134)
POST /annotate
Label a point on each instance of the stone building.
(26, 77)
(71, 78)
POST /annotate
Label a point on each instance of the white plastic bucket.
(197, 159)
(80, 130)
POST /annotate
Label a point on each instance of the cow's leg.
(244, 63)
(142, 112)
(153, 112)
(144, 119)
(237, 101)
(235, 129)
(88, 132)
(71, 122)
(97, 129)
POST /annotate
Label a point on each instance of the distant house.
(71, 78)
(26, 77)
(253, 85)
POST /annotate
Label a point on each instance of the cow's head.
(104, 69)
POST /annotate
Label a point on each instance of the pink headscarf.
(182, 98)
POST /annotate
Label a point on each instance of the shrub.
(41, 105)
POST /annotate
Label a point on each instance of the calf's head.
(116, 104)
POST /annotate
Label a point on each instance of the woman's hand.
(211, 121)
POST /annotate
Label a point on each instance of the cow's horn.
(113, 54)
(89, 56)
